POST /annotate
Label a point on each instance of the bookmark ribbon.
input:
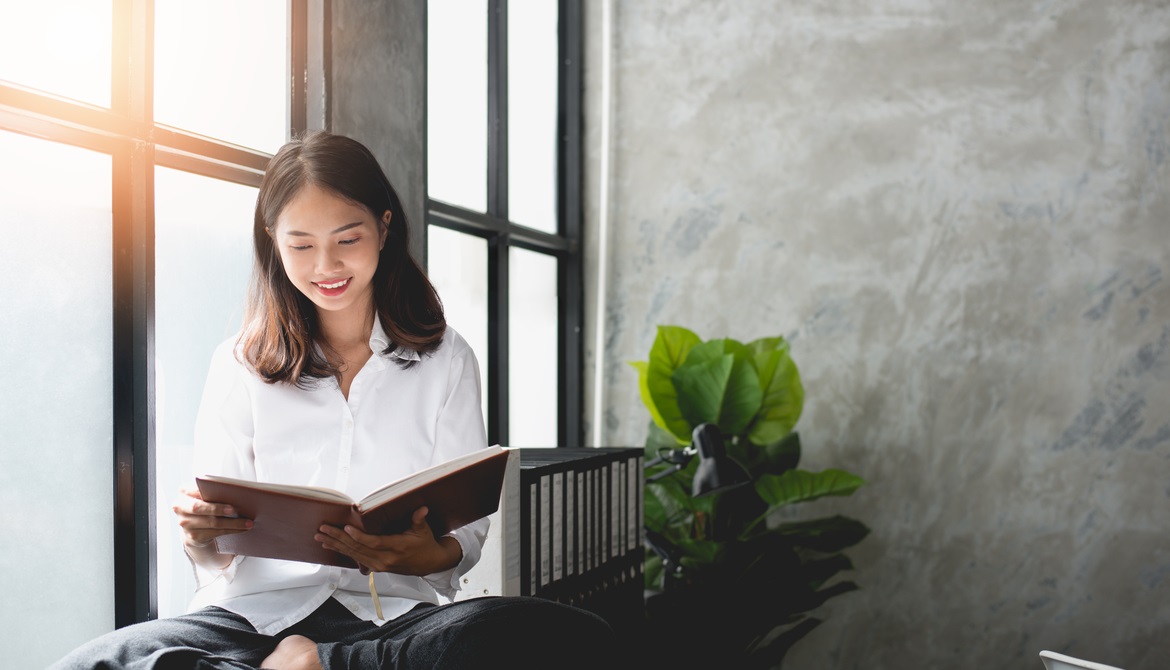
(374, 595)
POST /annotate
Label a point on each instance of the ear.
(384, 232)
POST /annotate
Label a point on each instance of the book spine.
(558, 526)
(543, 535)
(529, 485)
(570, 523)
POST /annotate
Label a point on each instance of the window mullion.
(497, 188)
(133, 319)
(497, 143)
(571, 302)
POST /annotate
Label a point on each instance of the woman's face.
(330, 248)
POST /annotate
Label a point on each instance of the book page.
(398, 487)
(316, 492)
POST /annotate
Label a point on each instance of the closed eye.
(353, 240)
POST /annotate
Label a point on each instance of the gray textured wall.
(379, 92)
(960, 215)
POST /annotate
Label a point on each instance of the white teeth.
(339, 284)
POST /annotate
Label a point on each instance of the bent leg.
(518, 633)
(207, 639)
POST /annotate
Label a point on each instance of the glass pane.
(457, 266)
(203, 254)
(533, 381)
(59, 46)
(222, 69)
(57, 413)
(532, 113)
(457, 102)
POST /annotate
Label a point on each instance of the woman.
(345, 375)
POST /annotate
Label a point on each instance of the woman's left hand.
(414, 551)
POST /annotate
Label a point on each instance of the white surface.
(498, 570)
(1055, 661)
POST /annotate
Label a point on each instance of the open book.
(285, 517)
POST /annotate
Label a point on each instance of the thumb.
(419, 517)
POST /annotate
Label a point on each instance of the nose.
(328, 259)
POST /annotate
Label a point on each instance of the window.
(129, 162)
(503, 207)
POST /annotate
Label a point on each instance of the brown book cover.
(285, 517)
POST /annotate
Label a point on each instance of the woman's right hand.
(202, 522)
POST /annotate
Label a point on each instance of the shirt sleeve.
(223, 437)
(460, 430)
(205, 577)
(223, 426)
(470, 538)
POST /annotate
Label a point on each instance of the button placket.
(345, 452)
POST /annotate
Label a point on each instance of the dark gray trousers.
(482, 632)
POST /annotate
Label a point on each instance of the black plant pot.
(690, 627)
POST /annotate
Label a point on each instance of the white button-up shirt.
(394, 423)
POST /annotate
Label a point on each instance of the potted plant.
(731, 579)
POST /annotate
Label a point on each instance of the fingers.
(199, 530)
(191, 502)
(202, 521)
(412, 552)
(359, 546)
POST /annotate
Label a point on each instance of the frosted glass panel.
(457, 266)
(532, 113)
(203, 254)
(222, 69)
(533, 380)
(457, 102)
(59, 46)
(56, 407)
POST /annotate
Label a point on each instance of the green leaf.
(828, 535)
(658, 438)
(654, 512)
(654, 569)
(718, 384)
(783, 396)
(774, 459)
(701, 387)
(697, 553)
(670, 349)
(648, 400)
(666, 504)
(767, 344)
(802, 486)
(796, 486)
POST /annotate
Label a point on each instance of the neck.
(346, 330)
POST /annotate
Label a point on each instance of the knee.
(545, 633)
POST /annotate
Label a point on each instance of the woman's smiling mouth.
(333, 288)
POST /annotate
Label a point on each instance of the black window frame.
(502, 234)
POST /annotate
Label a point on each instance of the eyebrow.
(342, 229)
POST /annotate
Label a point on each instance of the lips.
(333, 287)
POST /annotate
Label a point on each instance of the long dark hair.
(281, 326)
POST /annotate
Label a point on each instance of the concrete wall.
(379, 92)
(959, 213)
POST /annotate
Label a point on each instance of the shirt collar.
(379, 341)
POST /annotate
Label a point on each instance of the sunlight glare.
(58, 46)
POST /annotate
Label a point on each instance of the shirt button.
(333, 586)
